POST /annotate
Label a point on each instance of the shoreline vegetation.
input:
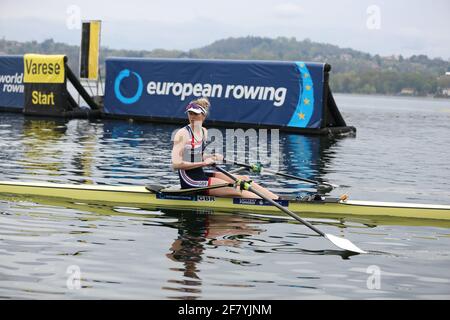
(353, 71)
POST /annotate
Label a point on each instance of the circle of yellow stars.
(306, 101)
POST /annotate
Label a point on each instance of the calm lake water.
(400, 153)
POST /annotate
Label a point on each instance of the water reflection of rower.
(197, 231)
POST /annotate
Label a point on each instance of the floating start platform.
(36, 85)
(290, 96)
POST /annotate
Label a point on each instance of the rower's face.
(196, 117)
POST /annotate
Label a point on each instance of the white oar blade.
(344, 243)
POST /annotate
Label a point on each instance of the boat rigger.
(166, 198)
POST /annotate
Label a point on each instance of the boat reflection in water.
(202, 233)
(199, 231)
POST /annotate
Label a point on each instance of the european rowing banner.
(11, 82)
(256, 93)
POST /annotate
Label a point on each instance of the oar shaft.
(294, 177)
(248, 166)
(337, 241)
(197, 190)
(293, 215)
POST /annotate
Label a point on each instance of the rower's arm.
(205, 138)
(177, 154)
(214, 157)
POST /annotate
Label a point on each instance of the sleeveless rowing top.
(193, 152)
(193, 149)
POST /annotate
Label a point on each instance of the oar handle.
(254, 168)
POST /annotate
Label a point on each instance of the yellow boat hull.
(140, 196)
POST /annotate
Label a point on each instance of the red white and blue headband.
(193, 107)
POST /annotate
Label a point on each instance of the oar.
(258, 168)
(337, 241)
(191, 190)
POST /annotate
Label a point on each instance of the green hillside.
(352, 71)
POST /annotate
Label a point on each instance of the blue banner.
(11, 82)
(270, 93)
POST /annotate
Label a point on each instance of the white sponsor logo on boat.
(250, 201)
(206, 198)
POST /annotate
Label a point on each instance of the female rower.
(188, 157)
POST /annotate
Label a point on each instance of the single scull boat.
(159, 196)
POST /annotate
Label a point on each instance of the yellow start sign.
(41, 98)
(43, 68)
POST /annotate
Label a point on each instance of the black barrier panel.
(84, 52)
(48, 99)
(89, 52)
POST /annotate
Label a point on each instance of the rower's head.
(197, 110)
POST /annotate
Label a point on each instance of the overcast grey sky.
(404, 27)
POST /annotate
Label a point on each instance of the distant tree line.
(385, 82)
(352, 71)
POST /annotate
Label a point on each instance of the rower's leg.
(257, 187)
(264, 191)
(228, 191)
(222, 176)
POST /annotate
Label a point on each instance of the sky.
(378, 27)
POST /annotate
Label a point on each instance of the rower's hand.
(217, 157)
(209, 162)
